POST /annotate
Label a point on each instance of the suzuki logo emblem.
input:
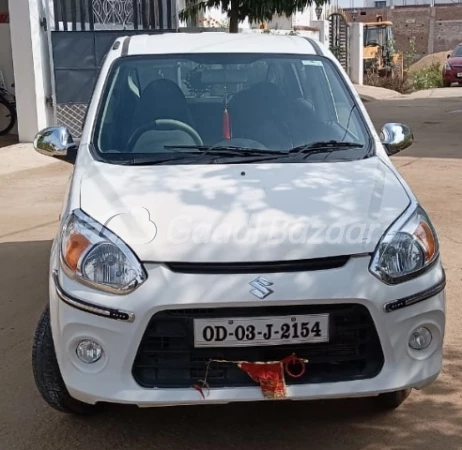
(261, 289)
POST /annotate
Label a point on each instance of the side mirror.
(396, 137)
(54, 141)
(449, 56)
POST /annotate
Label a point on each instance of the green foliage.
(409, 56)
(427, 78)
(255, 10)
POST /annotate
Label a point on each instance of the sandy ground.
(30, 203)
(427, 61)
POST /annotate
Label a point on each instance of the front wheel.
(47, 376)
(392, 400)
(446, 84)
(7, 117)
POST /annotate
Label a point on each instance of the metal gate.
(338, 38)
(81, 32)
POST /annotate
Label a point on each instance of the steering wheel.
(163, 125)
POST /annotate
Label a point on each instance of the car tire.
(392, 400)
(446, 84)
(47, 375)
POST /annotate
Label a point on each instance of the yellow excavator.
(379, 54)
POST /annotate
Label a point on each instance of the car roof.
(218, 42)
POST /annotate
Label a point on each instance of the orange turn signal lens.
(424, 233)
(75, 247)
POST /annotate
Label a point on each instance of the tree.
(254, 10)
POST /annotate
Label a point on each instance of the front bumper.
(111, 379)
(451, 76)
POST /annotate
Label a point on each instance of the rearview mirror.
(54, 141)
(396, 137)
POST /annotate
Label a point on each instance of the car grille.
(302, 265)
(167, 358)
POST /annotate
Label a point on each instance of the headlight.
(447, 66)
(408, 248)
(95, 256)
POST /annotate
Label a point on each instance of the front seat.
(259, 113)
(162, 99)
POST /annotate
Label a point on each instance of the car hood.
(455, 61)
(251, 213)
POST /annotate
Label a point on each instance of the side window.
(316, 89)
(282, 74)
(342, 102)
(134, 82)
(274, 74)
(331, 101)
(104, 138)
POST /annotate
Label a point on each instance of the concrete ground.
(372, 93)
(30, 201)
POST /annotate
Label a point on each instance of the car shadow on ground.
(430, 419)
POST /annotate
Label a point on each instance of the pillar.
(356, 66)
(32, 75)
(323, 26)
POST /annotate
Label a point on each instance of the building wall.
(434, 29)
(411, 23)
(447, 35)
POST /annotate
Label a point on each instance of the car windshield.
(457, 52)
(178, 108)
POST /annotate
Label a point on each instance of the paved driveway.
(30, 201)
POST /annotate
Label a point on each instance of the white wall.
(31, 67)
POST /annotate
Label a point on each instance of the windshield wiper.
(151, 160)
(323, 146)
(226, 150)
(232, 151)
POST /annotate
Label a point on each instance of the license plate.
(259, 331)
(459, 75)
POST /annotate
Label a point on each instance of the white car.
(235, 231)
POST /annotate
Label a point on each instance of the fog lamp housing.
(89, 351)
(420, 338)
